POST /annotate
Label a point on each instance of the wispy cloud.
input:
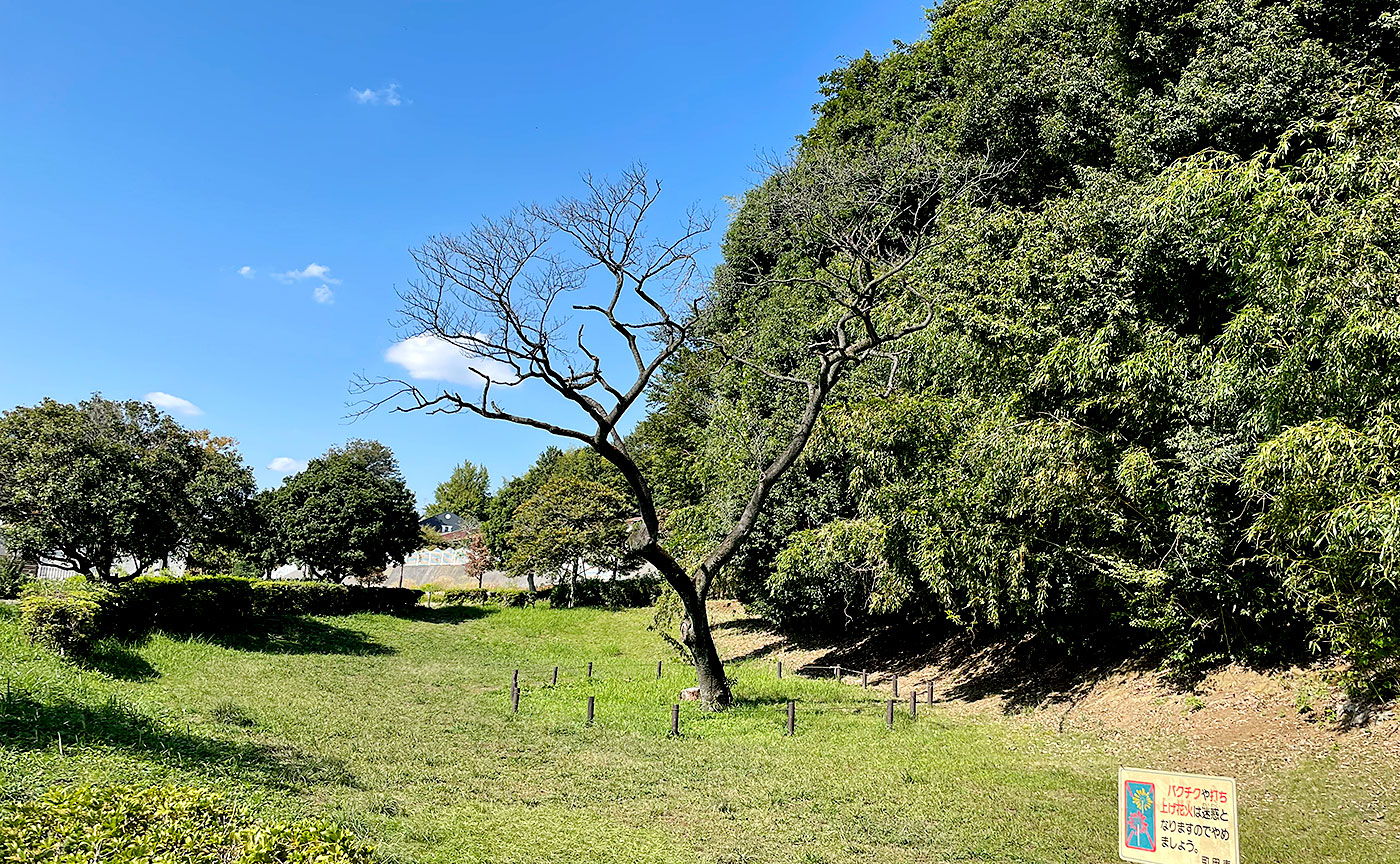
(319, 272)
(386, 96)
(173, 403)
(286, 465)
(324, 294)
(431, 359)
(247, 272)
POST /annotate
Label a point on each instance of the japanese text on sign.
(1168, 818)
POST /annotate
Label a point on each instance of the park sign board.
(1170, 818)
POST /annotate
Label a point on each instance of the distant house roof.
(442, 522)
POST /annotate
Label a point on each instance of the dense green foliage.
(170, 825)
(568, 523)
(348, 515)
(105, 482)
(1156, 395)
(467, 493)
(69, 622)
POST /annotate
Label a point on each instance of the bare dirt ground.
(1246, 722)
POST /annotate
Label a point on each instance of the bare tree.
(515, 293)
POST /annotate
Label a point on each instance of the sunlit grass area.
(401, 729)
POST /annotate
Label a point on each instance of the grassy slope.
(401, 730)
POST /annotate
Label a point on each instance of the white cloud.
(388, 96)
(173, 403)
(286, 465)
(246, 272)
(319, 272)
(432, 359)
(324, 294)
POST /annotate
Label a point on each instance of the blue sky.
(149, 153)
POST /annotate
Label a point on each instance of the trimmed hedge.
(170, 825)
(498, 596)
(69, 623)
(614, 593)
(70, 617)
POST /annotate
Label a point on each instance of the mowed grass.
(401, 729)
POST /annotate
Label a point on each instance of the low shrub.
(613, 593)
(69, 622)
(498, 596)
(187, 604)
(278, 597)
(126, 825)
(13, 579)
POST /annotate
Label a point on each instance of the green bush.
(613, 593)
(187, 604)
(126, 825)
(279, 597)
(70, 623)
(12, 578)
(499, 596)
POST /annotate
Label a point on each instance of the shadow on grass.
(450, 614)
(33, 722)
(118, 659)
(299, 635)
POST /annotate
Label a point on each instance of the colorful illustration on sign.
(1139, 809)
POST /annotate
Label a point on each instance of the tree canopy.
(467, 493)
(89, 486)
(347, 515)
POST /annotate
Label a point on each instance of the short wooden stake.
(913, 704)
(895, 680)
(837, 672)
(590, 710)
(780, 670)
(792, 717)
(864, 680)
(556, 676)
(658, 669)
(515, 679)
(930, 693)
(889, 713)
(515, 700)
(590, 668)
(675, 721)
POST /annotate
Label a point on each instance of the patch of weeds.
(1192, 703)
(230, 714)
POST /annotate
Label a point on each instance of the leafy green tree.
(467, 493)
(88, 486)
(349, 514)
(569, 523)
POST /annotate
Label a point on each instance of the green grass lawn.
(401, 730)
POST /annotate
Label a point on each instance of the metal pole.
(515, 700)
(590, 668)
(864, 680)
(658, 670)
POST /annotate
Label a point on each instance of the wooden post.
(930, 693)
(780, 670)
(590, 669)
(590, 710)
(895, 680)
(515, 700)
(889, 713)
(515, 679)
(792, 718)
(837, 673)
(556, 676)
(864, 680)
(658, 670)
(675, 721)
(913, 704)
